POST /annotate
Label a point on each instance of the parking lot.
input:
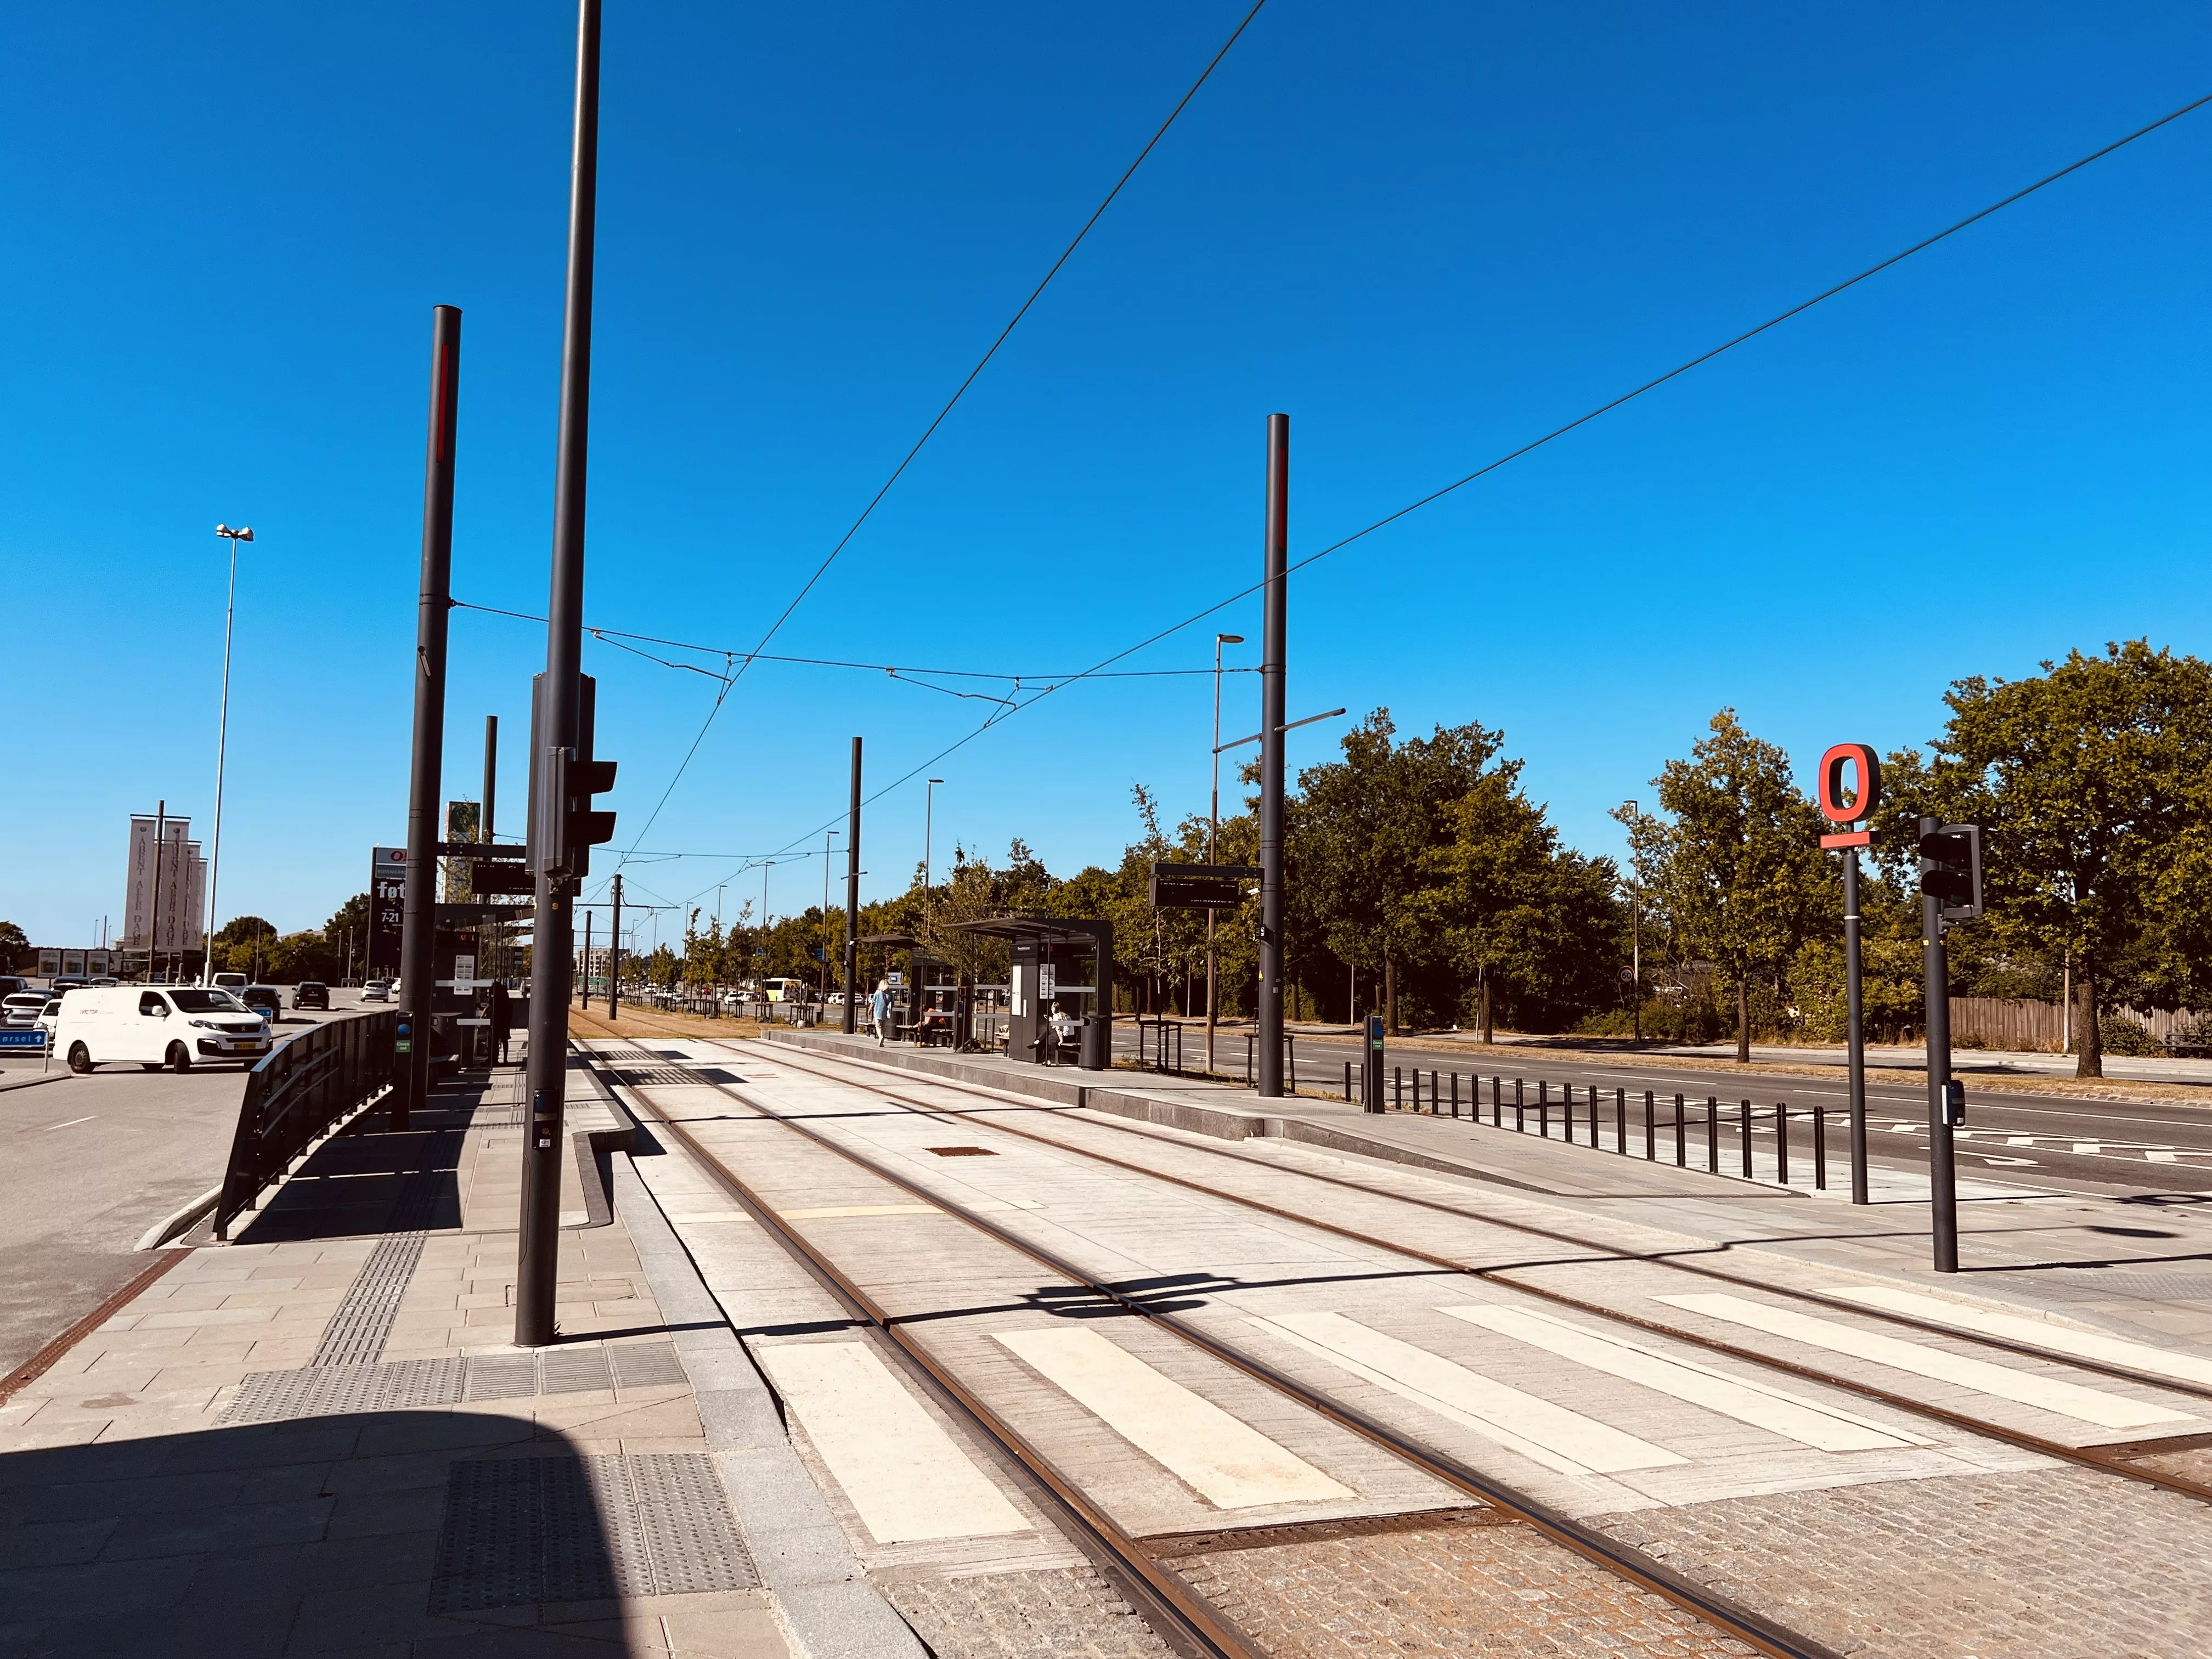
(91, 1163)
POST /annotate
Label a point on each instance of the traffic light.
(564, 826)
(1951, 870)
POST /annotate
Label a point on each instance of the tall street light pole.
(1213, 835)
(828, 938)
(243, 533)
(1276, 617)
(1634, 933)
(929, 814)
(553, 926)
(852, 1021)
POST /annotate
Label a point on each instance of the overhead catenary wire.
(960, 392)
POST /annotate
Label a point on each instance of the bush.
(2123, 1036)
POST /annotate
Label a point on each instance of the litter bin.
(1096, 1052)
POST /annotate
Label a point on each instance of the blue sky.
(1427, 231)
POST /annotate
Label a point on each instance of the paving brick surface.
(2066, 1564)
(1069, 1611)
(1456, 1588)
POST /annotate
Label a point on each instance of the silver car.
(23, 1009)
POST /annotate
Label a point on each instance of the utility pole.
(554, 927)
(418, 933)
(587, 998)
(491, 775)
(614, 953)
(828, 835)
(1942, 1170)
(1213, 835)
(245, 533)
(1855, 1017)
(853, 900)
(1276, 619)
(1635, 936)
(928, 819)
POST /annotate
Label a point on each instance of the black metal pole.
(1942, 1176)
(419, 923)
(491, 777)
(614, 954)
(853, 900)
(1275, 626)
(1855, 1036)
(553, 930)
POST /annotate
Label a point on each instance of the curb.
(179, 1221)
(33, 1082)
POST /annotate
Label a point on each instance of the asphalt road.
(2102, 1145)
(90, 1163)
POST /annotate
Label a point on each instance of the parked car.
(12, 984)
(22, 1008)
(265, 997)
(61, 982)
(233, 983)
(178, 1027)
(312, 994)
(48, 1017)
(377, 990)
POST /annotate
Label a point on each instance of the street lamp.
(1213, 834)
(928, 812)
(243, 533)
(1636, 930)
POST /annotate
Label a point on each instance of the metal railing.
(1749, 1122)
(304, 1085)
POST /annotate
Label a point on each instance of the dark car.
(267, 999)
(312, 994)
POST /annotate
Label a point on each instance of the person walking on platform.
(500, 1010)
(880, 1009)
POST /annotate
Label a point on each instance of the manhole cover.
(961, 1151)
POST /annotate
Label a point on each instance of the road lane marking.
(1790, 1415)
(72, 1124)
(2049, 1394)
(1231, 1463)
(2160, 1155)
(2036, 1332)
(1562, 1440)
(823, 1211)
(901, 1472)
(2088, 1146)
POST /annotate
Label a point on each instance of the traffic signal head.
(1951, 869)
(564, 826)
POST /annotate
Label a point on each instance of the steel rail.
(1644, 1570)
(2087, 1456)
(1890, 1316)
(1178, 1616)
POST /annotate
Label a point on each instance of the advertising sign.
(388, 909)
(183, 886)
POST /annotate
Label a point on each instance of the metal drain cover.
(961, 1151)
(523, 1530)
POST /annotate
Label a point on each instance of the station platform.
(2138, 1266)
(320, 1439)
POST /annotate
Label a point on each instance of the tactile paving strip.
(338, 1391)
(522, 1531)
(356, 1332)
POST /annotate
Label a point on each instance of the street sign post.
(1852, 811)
(1950, 892)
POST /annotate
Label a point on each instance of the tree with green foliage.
(1733, 872)
(15, 947)
(2094, 783)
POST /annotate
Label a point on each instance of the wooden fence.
(2040, 1027)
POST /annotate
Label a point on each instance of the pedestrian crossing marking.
(1758, 1404)
(901, 1472)
(1229, 1463)
(2038, 1333)
(1562, 1440)
(2049, 1394)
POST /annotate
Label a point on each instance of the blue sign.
(27, 1037)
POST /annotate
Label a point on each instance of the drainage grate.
(338, 1391)
(356, 1332)
(522, 1531)
(650, 1077)
(961, 1151)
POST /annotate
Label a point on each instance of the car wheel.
(80, 1058)
(178, 1058)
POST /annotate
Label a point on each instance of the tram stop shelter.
(1052, 956)
(912, 1001)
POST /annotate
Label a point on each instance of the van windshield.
(191, 1001)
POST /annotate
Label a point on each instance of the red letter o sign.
(1833, 806)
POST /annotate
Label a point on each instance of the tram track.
(1173, 1610)
(2108, 1461)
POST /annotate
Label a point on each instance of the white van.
(178, 1027)
(230, 981)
